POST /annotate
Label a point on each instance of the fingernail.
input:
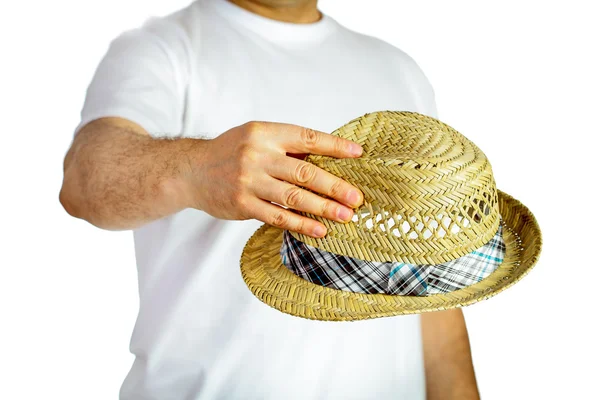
(355, 149)
(344, 214)
(353, 197)
(319, 231)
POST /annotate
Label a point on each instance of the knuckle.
(244, 180)
(309, 137)
(324, 207)
(305, 173)
(253, 130)
(336, 189)
(300, 225)
(279, 219)
(293, 197)
(244, 210)
(238, 199)
(253, 126)
(248, 155)
(339, 145)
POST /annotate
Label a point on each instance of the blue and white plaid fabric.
(358, 276)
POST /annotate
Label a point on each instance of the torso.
(200, 333)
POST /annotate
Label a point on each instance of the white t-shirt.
(200, 334)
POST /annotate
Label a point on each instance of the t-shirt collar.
(273, 30)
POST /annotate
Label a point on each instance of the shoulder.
(394, 63)
(169, 32)
(385, 52)
(158, 40)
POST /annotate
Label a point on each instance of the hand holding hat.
(250, 175)
(433, 233)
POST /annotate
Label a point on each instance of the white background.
(519, 78)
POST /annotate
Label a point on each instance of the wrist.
(184, 187)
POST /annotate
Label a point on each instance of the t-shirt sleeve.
(142, 77)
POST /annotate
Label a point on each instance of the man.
(192, 135)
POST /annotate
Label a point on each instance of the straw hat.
(430, 201)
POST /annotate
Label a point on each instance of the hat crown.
(429, 192)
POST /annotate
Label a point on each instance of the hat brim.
(272, 283)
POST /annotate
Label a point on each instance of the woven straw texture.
(430, 195)
(271, 282)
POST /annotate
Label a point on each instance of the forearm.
(116, 178)
(448, 365)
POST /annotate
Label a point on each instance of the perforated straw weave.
(430, 197)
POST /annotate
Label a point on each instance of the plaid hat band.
(354, 275)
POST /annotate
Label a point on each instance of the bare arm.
(448, 366)
(116, 176)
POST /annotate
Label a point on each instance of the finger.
(281, 218)
(298, 139)
(299, 199)
(302, 173)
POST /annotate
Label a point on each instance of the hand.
(248, 168)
